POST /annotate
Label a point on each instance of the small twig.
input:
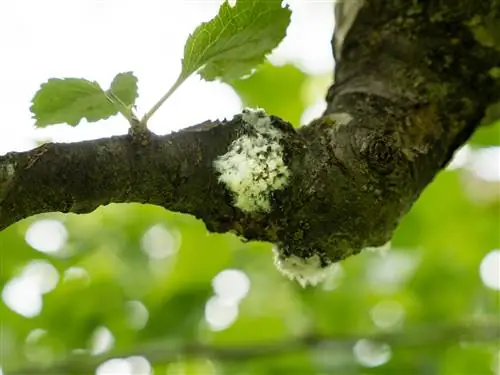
(139, 131)
(162, 100)
(136, 127)
(125, 110)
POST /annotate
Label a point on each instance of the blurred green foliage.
(147, 276)
(274, 89)
(487, 135)
(283, 91)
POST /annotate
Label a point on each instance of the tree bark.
(411, 85)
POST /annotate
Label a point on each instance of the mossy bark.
(411, 85)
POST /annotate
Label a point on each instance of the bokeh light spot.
(220, 314)
(490, 269)
(158, 242)
(23, 294)
(137, 314)
(47, 235)
(231, 285)
(139, 365)
(387, 314)
(76, 274)
(115, 366)
(102, 340)
(371, 354)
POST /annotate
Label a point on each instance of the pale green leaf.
(124, 88)
(236, 40)
(70, 100)
(282, 95)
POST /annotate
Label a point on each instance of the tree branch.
(423, 337)
(410, 88)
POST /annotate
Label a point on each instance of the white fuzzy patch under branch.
(253, 166)
(382, 250)
(306, 271)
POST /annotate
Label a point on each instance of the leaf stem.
(124, 110)
(137, 128)
(162, 100)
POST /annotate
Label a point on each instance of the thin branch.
(162, 100)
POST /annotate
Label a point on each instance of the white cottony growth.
(306, 271)
(260, 121)
(382, 250)
(253, 166)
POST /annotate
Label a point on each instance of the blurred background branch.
(424, 337)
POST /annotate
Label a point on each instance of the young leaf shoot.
(234, 42)
(70, 100)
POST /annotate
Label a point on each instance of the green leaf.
(69, 100)
(486, 135)
(231, 44)
(236, 40)
(124, 88)
(282, 95)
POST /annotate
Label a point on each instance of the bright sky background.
(96, 39)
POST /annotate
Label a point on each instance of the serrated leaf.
(236, 40)
(69, 100)
(124, 87)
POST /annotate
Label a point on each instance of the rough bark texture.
(411, 85)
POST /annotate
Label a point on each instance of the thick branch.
(411, 86)
(173, 171)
